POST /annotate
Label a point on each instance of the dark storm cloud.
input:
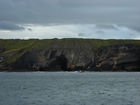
(10, 26)
(44, 12)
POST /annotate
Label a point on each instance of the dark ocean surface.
(69, 88)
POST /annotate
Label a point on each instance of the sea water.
(70, 88)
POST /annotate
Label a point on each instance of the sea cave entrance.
(63, 62)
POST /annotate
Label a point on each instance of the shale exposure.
(69, 55)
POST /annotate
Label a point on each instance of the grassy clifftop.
(14, 48)
(17, 44)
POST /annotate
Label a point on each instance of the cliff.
(69, 55)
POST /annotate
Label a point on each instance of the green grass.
(97, 43)
(18, 47)
(18, 53)
(41, 44)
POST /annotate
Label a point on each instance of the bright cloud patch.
(71, 31)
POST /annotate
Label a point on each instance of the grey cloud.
(44, 12)
(100, 32)
(4, 25)
(106, 26)
(29, 29)
(133, 26)
(81, 34)
(131, 34)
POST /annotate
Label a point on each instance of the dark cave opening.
(63, 62)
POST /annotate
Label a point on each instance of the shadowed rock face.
(118, 57)
(54, 60)
(77, 55)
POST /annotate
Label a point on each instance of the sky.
(45, 19)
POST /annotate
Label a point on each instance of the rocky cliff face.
(76, 55)
(58, 56)
(118, 57)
